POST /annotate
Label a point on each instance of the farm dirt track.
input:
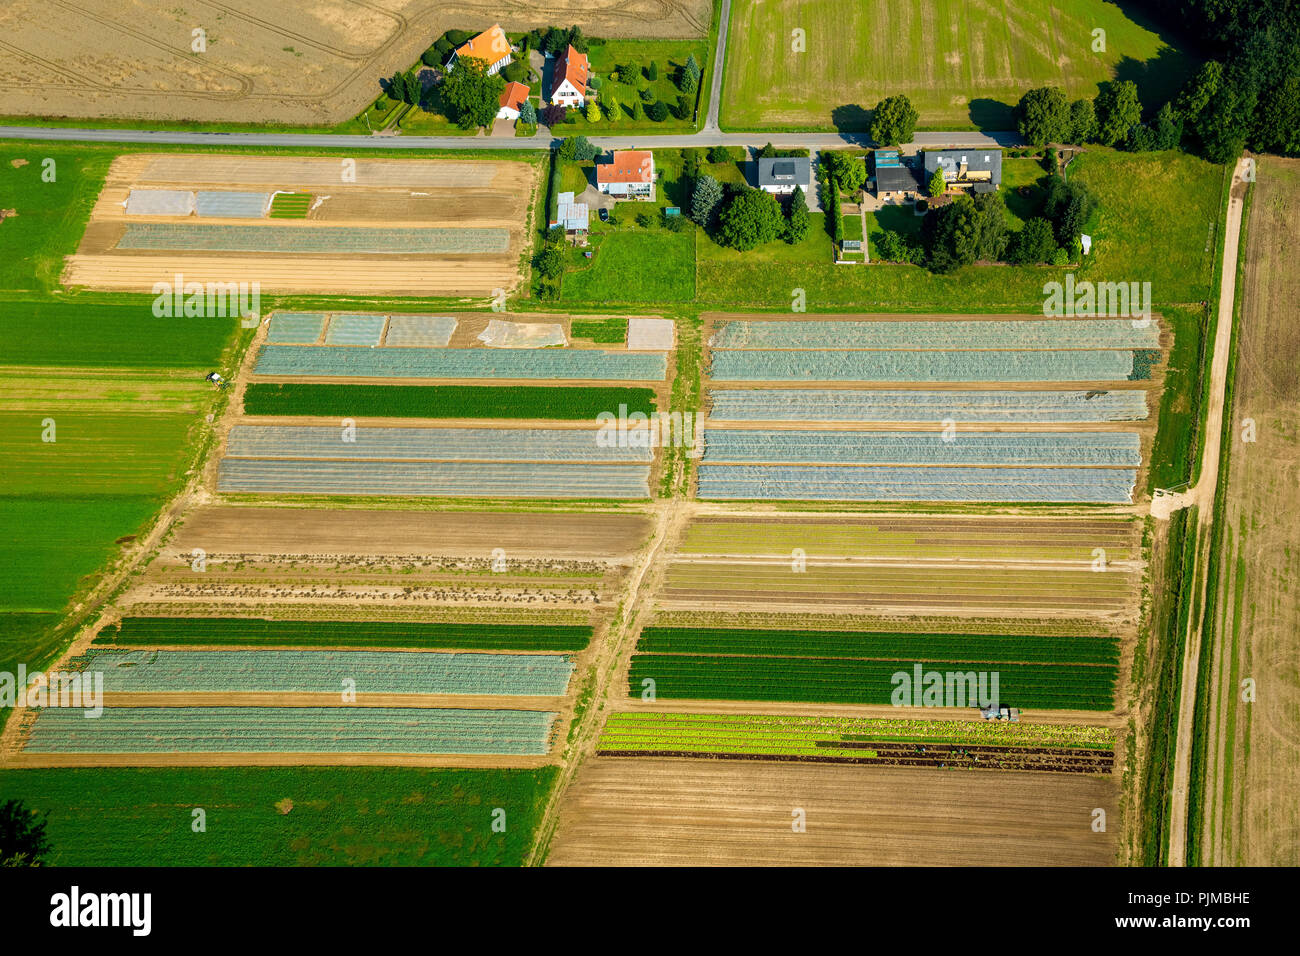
(270, 61)
(628, 812)
(451, 194)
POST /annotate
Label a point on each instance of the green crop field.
(52, 189)
(1041, 649)
(125, 334)
(602, 331)
(291, 205)
(444, 401)
(854, 681)
(633, 266)
(768, 735)
(358, 816)
(409, 634)
(962, 64)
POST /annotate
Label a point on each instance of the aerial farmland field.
(961, 64)
(375, 226)
(265, 63)
(647, 812)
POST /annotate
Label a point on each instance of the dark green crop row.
(444, 401)
(1066, 687)
(1042, 649)
(418, 634)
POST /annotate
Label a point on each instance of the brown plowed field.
(384, 193)
(266, 60)
(635, 812)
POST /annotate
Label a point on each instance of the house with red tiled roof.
(629, 175)
(512, 98)
(569, 81)
(490, 46)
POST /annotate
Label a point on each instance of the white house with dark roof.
(779, 175)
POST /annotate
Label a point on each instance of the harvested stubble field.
(259, 558)
(465, 219)
(274, 62)
(1018, 566)
(637, 812)
(1248, 814)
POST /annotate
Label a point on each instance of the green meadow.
(825, 64)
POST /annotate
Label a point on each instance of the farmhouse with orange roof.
(569, 84)
(490, 46)
(629, 175)
(512, 98)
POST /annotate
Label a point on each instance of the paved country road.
(705, 138)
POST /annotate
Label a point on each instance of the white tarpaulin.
(649, 335)
(521, 335)
(160, 202)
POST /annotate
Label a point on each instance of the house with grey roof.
(895, 180)
(779, 175)
(979, 170)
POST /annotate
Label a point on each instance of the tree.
(556, 40)
(1034, 243)
(1069, 205)
(528, 113)
(652, 71)
(767, 152)
(718, 154)
(676, 223)
(657, 111)
(1200, 90)
(515, 71)
(849, 172)
(796, 229)
(690, 78)
(682, 108)
(473, 96)
(405, 87)
(577, 40)
(937, 185)
(752, 218)
(895, 247)
(592, 111)
(1279, 117)
(627, 74)
(1118, 111)
(550, 262)
(706, 199)
(951, 235)
(647, 95)
(638, 111)
(991, 227)
(431, 57)
(691, 161)
(609, 105)
(1043, 116)
(578, 148)
(22, 835)
(893, 121)
(1083, 121)
(1167, 129)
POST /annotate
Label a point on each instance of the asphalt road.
(719, 58)
(705, 138)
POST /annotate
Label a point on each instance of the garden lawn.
(634, 265)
